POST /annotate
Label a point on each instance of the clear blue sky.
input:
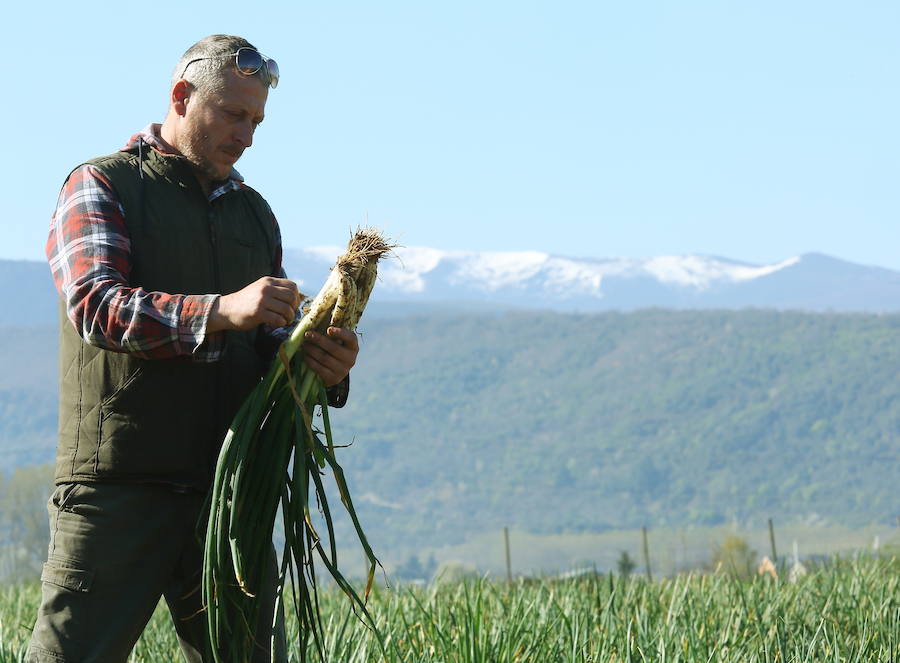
(752, 130)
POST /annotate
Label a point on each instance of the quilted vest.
(127, 419)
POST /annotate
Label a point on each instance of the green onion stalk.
(273, 456)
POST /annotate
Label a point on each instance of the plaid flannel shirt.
(88, 249)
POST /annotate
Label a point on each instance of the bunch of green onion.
(273, 455)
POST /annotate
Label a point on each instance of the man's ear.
(181, 92)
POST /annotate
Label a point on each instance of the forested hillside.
(566, 423)
(28, 395)
(581, 423)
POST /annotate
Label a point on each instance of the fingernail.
(309, 334)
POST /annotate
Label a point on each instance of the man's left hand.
(331, 356)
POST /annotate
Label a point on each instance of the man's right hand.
(266, 301)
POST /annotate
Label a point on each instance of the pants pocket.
(60, 496)
(60, 501)
(60, 629)
(66, 575)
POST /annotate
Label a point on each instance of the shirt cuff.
(193, 319)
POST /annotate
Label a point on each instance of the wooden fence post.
(646, 554)
(772, 541)
(508, 564)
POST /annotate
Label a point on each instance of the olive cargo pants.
(114, 550)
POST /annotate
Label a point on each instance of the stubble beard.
(192, 149)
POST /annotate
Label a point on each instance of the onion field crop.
(846, 610)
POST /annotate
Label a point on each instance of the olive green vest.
(126, 419)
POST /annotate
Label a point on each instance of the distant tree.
(734, 556)
(411, 569)
(625, 564)
(23, 518)
(430, 566)
(451, 571)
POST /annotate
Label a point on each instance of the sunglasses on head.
(247, 61)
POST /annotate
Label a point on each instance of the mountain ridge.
(427, 279)
(532, 279)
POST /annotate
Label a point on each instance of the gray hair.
(209, 74)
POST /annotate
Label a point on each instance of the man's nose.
(244, 134)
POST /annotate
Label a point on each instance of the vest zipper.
(216, 387)
(214, 242)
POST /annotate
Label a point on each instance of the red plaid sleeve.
(89, 252)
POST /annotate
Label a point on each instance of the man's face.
(219, 126)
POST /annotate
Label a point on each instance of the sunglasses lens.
(272, 69)
(248, 61)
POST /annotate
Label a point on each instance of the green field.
(845, 610)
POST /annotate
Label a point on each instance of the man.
(169, 271)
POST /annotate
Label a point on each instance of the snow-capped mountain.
(812, 282)
(423, 278)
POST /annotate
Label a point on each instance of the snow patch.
(490, 271)
(495, 270)
(405, 272)
(701, 272)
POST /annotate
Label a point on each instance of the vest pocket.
(245, 248)
(107, 409)
(156, 426)
(129, 379)
(244, 254)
